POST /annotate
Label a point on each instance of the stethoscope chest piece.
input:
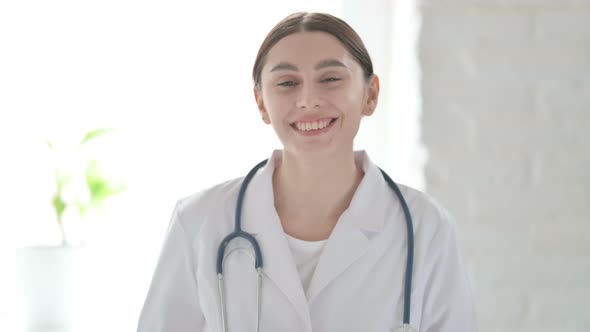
(404, 328)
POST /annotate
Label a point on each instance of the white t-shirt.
(306, 255)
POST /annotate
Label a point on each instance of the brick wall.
(506, 120)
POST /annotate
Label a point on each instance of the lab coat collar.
(349, 240)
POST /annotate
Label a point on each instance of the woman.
(331, 231)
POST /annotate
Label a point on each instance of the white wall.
(506, 112)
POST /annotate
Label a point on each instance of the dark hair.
(300, 22)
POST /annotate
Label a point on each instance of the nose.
(308, 98)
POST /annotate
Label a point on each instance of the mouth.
(317, 126)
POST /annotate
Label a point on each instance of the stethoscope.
(238, 233)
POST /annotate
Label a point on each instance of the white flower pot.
(50, 282)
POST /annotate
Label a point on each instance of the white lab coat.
(358, 282)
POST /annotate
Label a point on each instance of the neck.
(316, 189)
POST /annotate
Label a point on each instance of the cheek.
(273, 103)
(349, 101)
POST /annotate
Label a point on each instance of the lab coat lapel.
(349, 240)
(351, 236)
(345, 245)
(259, 217)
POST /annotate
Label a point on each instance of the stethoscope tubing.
(238, 233)
(410, 253)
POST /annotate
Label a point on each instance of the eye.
(331, 79)
(287, 83)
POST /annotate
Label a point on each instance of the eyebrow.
(322, 64)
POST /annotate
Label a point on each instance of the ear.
(260, 104)
(372, 96)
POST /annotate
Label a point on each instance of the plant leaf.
(95, 133)
(50, 145)
(58, 205)
(82, 208)
(100, 188)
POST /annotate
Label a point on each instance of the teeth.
(305, 126)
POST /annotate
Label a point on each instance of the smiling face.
(314, 93)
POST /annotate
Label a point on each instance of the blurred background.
(484, 104)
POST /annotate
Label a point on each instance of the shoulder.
(429, 215)
(193, 209)
(437, 236)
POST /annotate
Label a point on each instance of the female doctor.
(336, 249)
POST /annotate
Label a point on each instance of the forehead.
(307, 49)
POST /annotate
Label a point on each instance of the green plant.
(97, 186)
